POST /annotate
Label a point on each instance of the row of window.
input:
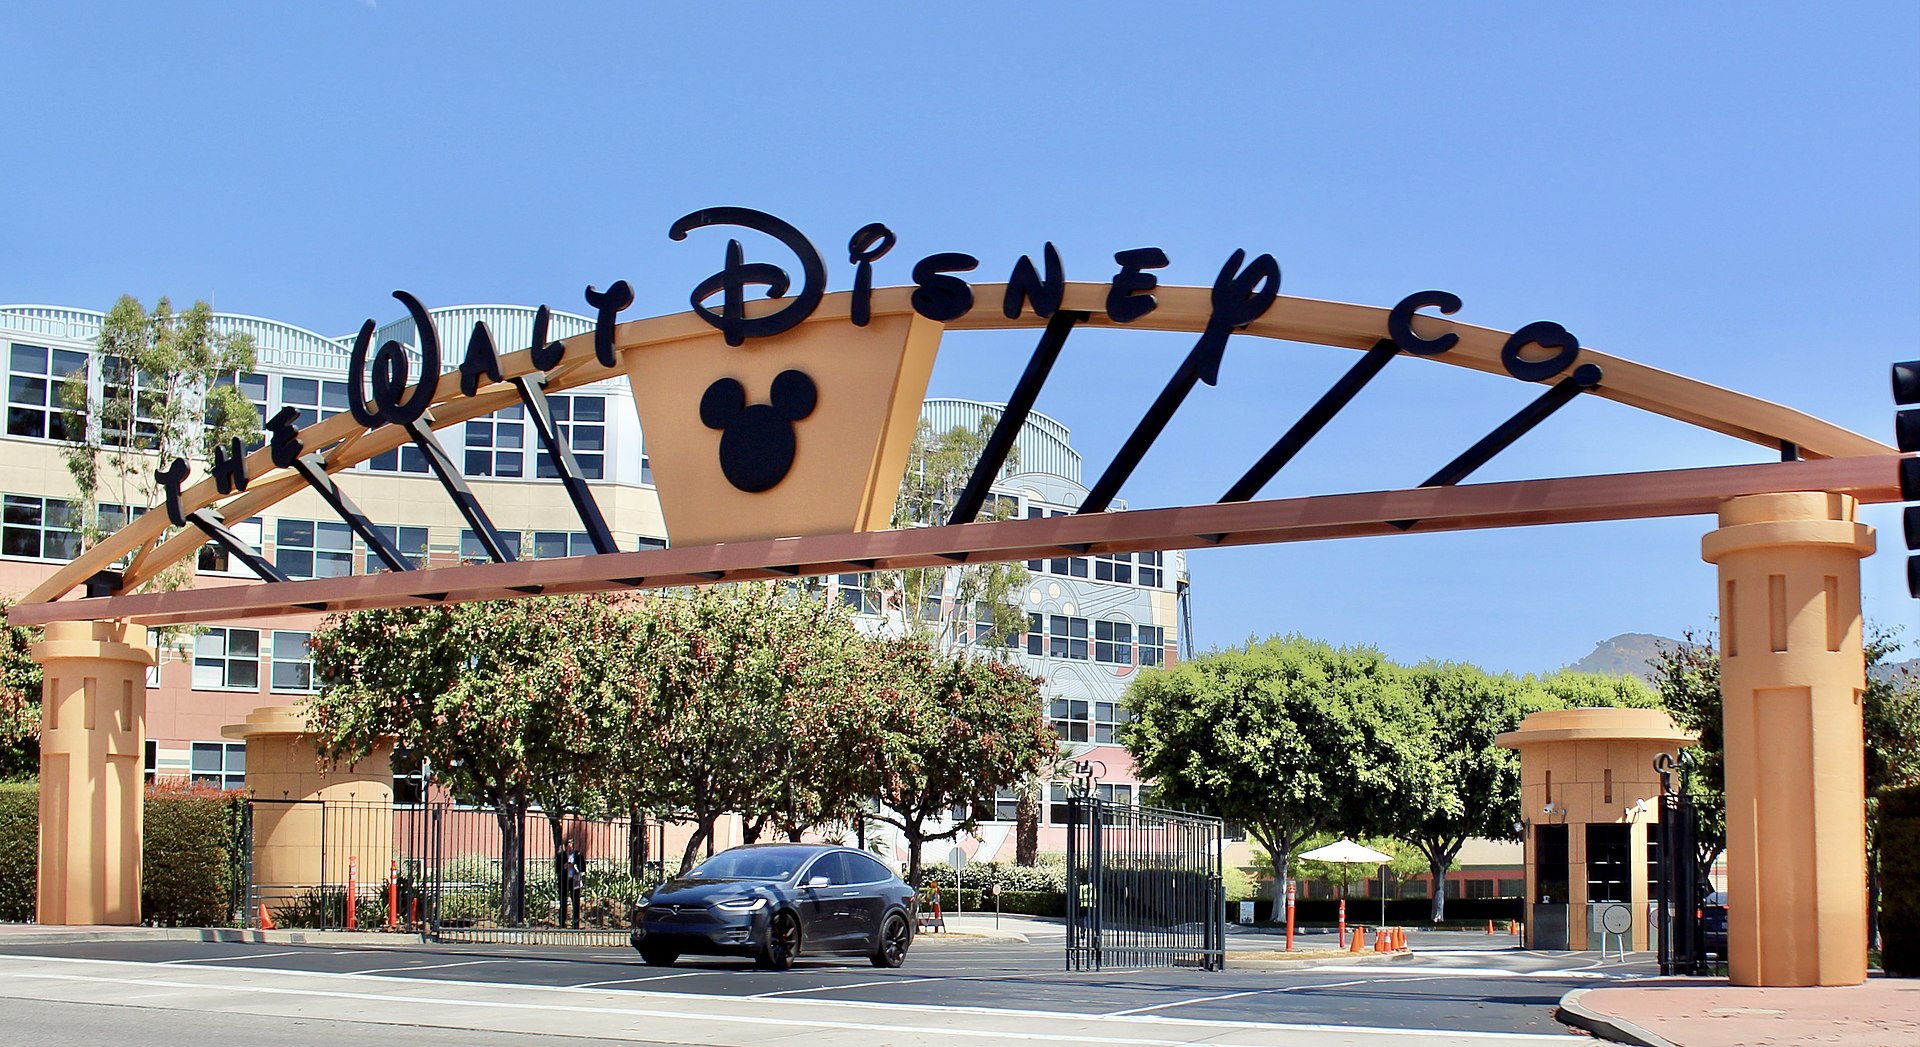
(228, 659)
(1005, 804)
(500, 445)
(1113, 642)
(222, 765)
(1146, 569)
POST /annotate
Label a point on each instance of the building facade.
(1094, 621)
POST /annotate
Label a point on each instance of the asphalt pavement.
(1456, 988)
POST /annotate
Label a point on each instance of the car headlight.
(742, 905)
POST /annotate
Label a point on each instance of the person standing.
(573, 870)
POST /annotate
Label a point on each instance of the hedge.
(1403, 912)
(19, 850)
(1898, 829)
(188, 873)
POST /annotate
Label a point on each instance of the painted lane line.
(1458, 972)
(1231, 996)
(835, 988)
(425, 967)
(938, 1034)
(627, 981)
(801, 1002)
(242, 956)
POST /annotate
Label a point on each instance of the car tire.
(783, 942)
(891, 948)
(658, 955)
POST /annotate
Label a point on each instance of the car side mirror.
(818, 881)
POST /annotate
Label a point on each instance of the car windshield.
(746, 863)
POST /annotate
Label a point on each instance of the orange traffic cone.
(266, 918)
(1399, 939)
(1489, 926)
(1380, 940)
(1513, 926)
(1359, 936)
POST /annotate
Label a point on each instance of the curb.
(1606, 1027)
(211, 934)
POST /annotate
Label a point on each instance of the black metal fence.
(1680, 885)
(1143, 887)
(450, 871)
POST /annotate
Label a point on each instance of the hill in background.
(1629, 654)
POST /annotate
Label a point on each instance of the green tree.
(20, 678)
(1289, 737)
(1687, 681)
(953, 728)
(151, 394)
(507, 699)
(962, 605)
(1407, 862)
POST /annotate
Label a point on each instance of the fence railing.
(1143, 888)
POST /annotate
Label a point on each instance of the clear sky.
(1728, 193)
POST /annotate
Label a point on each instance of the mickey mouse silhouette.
(756, 442)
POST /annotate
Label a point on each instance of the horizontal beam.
(1579, 499)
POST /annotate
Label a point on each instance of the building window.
(582, 420)
(857, 593)
(214, 558)
(1113, 643)
(39, 528)
(409, 542)
(552, 545)
(313, 549)
(497, 444)
(1036, 634)
(1122, 794)
(1069, 717)
(1107, 716)
(35, 374)
(316, 400)
(409, 778)
(646, 544)
(227, 659)
(253, 387)
(1068, 567)
(1066, 637)
(1003, 807)
(406, 458)
(471, 549)
(150, 759)
(222, 765)
(292, 661)
(1152, 645)
(1113, 567)
(1150, 570)
(1058, 812)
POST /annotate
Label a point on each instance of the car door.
(823, 916)
(866, 898)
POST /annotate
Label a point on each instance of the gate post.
(1792, 671)
(92, 752)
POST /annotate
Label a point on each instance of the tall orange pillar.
(1791, 676)
(93, 714)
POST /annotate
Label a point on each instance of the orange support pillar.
(1791, 676)
(92, 741)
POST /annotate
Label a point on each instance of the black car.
(1712, 915)
(775, 901)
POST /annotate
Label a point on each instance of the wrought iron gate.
(1679, 889)
(1143, 887)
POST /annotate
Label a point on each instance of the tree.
(20, 678)
(1687, 681)
(506, 698)
(1407, 862)
(743, 699)
(953, 728)
(1289, 737)
(154, 395)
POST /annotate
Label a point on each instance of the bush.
(1897, 824)
(19, 850)
(327, 908)
(189, 869)
(1043, 877)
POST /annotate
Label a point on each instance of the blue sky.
(1728, 196)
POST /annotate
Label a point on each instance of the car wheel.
(658, 955)
(891, 951)
(783, 942)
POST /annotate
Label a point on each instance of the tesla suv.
(774, 902)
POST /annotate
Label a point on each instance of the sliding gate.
(1143, 888)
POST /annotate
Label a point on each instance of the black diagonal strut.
(1014, 415)
(1316, 418)
(314, 472)
(210, 524)
(533, 393)
(1584, 377)
(422, 432)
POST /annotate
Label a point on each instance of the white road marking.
(242, 956)
(1232, 996)
(625, 981)
(1456, 972)
(722, 998)
(428, 966)
(936, 1032)
(831, 988)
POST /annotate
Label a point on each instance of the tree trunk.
(1438, 863)
(1282, 861)
(703, 831)
(913, 840)
(511, 814)
(636, 842)
(1026, 838)
(557, 829)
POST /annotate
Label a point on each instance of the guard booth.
(1143, 887)
(1589, 798)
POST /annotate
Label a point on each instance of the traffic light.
(1906, 432)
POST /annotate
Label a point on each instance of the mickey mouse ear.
(722, 403)
(794, 395)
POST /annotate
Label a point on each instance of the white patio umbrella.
(1345, 852)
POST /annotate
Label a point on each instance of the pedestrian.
(573, 873)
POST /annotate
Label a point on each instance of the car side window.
(832, 866)
(866, 870)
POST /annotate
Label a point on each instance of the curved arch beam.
(1181, 309)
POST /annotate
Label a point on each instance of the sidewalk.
(1707, 1012)
(35, 934)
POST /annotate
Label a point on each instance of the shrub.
(19, 849)
(327, 908)
(1898, 828)
(189, 870)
